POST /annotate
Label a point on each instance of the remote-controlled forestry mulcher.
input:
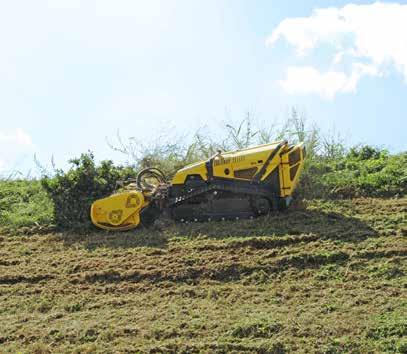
(228, 186)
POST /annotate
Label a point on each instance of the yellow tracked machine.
(229, 185)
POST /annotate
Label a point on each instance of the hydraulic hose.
(150, 172)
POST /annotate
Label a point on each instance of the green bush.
(73, 192)
(364, 171)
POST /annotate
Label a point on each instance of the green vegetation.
(24, 206)
(363, 171)
(332, 171)
(64, 199)
(325, 277)
(73, 192)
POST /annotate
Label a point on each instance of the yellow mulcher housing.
(120, 211)
(229, 185)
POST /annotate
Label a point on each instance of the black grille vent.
(294, 157)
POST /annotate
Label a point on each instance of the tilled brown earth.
(323, 277)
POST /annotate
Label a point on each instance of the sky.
(73, 73)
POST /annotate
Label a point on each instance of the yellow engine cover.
(243, 165)
(120, 211)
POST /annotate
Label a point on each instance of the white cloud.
(307, 79)
(306, 33)
(373, 34)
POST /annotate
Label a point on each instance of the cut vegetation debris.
(327, 276)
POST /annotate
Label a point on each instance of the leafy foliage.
(363, 171)
(73, 192)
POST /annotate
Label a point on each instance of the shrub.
(74, 191)
(366, 152)
(364, 171)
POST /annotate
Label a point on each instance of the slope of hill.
(322, 277)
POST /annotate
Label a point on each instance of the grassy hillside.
(321, 277)
(327, 276)
(24, 206)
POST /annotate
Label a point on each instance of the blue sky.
(74, 72)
